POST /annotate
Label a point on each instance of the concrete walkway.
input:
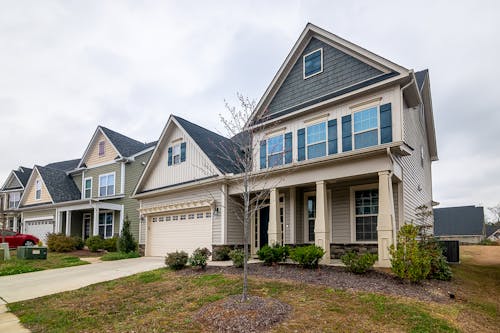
(8, 322)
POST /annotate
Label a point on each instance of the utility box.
(31, 252)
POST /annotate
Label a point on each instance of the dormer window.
(176, 154)
(101, 148)
(38, 189)
(313, 63)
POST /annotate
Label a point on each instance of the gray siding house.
(465, 224)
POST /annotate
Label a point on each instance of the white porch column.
(321, 225)
(15, 224)
(385, 218)
(96, 221)
(274, 230)
(292, 223)
(121, 222)
(68, 223)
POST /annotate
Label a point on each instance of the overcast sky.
(68, 66)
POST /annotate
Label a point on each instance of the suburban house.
(10, 196)
(344, 140)
(465, 224)
(492, 232)
(89, 195)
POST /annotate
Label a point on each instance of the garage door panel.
(39, 229)
(181, 235)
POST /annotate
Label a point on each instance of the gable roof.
(64, 165)
(491, 228)
(23, 174)
(219, 149)
(456, 221)
(61, 187)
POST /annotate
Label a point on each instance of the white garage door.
(39, 228)
(181, 232)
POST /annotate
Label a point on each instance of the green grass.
(119, 256)
(54, 260)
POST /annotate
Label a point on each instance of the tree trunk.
(245, 240)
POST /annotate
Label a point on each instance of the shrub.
(273, 254)
(358, 263)
(238, 257)
(199, 258)
(439, 267)
(409, 261)
(487, 241)
(127, 243)
(221, 253)
(110, 244)
(307, 256)
(40, 243)
(94, 243)
(60, 243)
(79, 244)
(176, 260)
(119, 256)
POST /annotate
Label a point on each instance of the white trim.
(121, 221)
(114, 185)
(224, 215)
(12, 173)
(39, 218)
(122, 178)
(84, 215)
(38, 181)
(91, 187)
(293, 202)
(142, 152)
(318, 142)
(304, 63)
(352, 207)
(95, 166)
(306, 217)
(105, 212)
(377, 128)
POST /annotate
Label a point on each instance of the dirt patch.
(85, 254)
(481, 254)
(257, 314)
(339, 278)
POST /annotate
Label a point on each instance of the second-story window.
(101, 148)
(275, 149)
(313, 63)
(38, 189)
(107, 185)
(87, 190)
(14, 199)
(176, 154)
(366, 128)
(316, 140)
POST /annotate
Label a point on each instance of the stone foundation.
(142, 249)
(338, 250)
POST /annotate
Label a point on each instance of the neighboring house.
(90, 195)
(465, 224)
(10, 194)
(346, 143)
(492, 232)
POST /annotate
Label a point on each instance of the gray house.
(465, 224)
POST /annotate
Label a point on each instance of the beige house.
(344, 140)
(10, 196)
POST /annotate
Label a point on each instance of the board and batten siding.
(196, 165)
(12, 182)
(29, 198)
(101, 170)
(201, 193)
(78, 181)
(417, 179)
(92, 158)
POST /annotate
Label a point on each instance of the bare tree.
(495, 211)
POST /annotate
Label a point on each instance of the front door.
(263, 226)
(310, 216)
(86, 226)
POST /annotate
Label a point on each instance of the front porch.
(358, 214)
(86, 220)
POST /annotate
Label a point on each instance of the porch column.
(121, 222)
(321, 225)
(96, 222)
(15, 224)
(274, 230)
(68, 223)
(385, 218)
(291, 223)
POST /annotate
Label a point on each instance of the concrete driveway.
(21, 287)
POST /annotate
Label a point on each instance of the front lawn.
(119, 256)
(54, 260)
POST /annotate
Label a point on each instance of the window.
(161, 219)
(313, 63)
(38, 189)
(190, 216)
(275, 150)
(199, 215)
(167, 218)
(365, 212)
(155, 219)
(183, 217)
(101, 148)
(366, 128)
(311, 217)
(106, 225)
(106, 185)
(316, 140)
(176, 154)
(175, 218)
(87, 188)
(14, 199)
(208, 214)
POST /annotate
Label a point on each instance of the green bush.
(79, 244)
(110, 244)
(61, 243)
(94, 243)
(221, 253)
(439, 267)
(307, 256)
(238, 257)
(119, 256)
(126, 243)
(176, 260)
(199, 258)
(273, 254)
(409, 261)
(358, 263)
(487, 241)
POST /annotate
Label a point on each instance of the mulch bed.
(338, 278)
(257, 314)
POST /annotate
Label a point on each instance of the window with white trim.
(87, 188)
(365, 214)
(175, 217)
(199, 215)
(107, 185)
(101, 148)
(316, 140)
(313, 63)
(275, 150)
(176, 154)
(366, 128)
(14, 198)
(106, 225)
(38, 189)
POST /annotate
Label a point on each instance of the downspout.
(391, 193)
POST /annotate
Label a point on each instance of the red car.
(16, 239)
